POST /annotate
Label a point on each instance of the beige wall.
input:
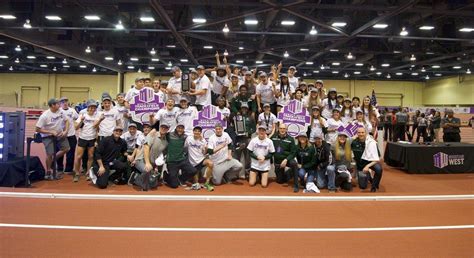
(50, 84)
(457, 90)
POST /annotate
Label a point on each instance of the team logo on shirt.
(55, 119)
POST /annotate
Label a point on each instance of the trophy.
(240, 126)
(185, 82)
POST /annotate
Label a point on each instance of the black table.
(453, 157)
(12, 172)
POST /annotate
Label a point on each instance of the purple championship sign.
(207, 119)
(296, 117)
(144, 104)
(350, 129)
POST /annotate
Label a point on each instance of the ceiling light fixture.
(53, 17)
(435, 66)
(109, 58)
(133, 59)
(346, 75)
(385, 65)
(259, 62)
(119, 25)
(336, 63)
(427, 77)
(239, 61)
(399, 74)
(388, 76)
(241, 48)
(350, 56)
(151, 68)
(17, 60)
(139, 70)
(333, 50)
(414, 74)
(171, 46)
(412, 58)
(208, 47)
(372, 68)
(183, 60)
(322, 67)
(51, 57)
(155, 59)
(147, 19)
(31, 57)
(438, 74)
(7, 17)
(287, 23)
(27, 24)
(356, 72)
(18, 48)
(380, 26)
(335, 72)
(131, 67)
(286, 55)
(304, 49)
(92, 17)
(466, 29)
(404, 32)
(3, 57)
(199, 20)
(94, 70)
(313, 31)
(309, 63)
(339, 24)
(423, 69)
(153, 51)
(426, 27)
(226, 29)
(457, 67)
(54, 69)
(66, 66)
(44, 66)
(251, 22)
(83, 66)
(88, 49)
(378, 73)
(11, 68)
(64, 61)
(468, 71)
(316, 71)
(359, 64)
(170, 64)
(119, 62)
(226, 53)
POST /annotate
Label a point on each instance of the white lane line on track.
(234, 197)
(166, 229)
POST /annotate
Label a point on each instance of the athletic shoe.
(209, 187)
(76, 178)
(196, 187)
(48, 177)
(332, 190)
(296, 189)
(373, 190)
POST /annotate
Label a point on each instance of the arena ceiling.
(325, 39)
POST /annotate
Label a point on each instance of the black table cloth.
(435, 158)
(12, 172)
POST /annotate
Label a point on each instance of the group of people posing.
(112, 147)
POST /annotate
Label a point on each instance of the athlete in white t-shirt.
(122, 110)
(266, 91)
(261, 150)
(220, 83)
(71, 115)
(86, 124)
(333, 124)
(220, 150)
(197, 150)
(284, 92)
(134, 91)
(186, 116)
(174, 85)
(53, 126)
(291, 77)
(167, 115)
(202, 88)
(108, 118)
(267, 120)
(329, 103)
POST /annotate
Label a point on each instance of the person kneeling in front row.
(111, 155)
(261, 151)
(367, 160)
(338, 171)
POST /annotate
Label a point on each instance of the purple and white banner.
(207, 119)
(144, 104)
(350, 129)
(296, 117)
(457, 110)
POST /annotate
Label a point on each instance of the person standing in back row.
(71, 115)
(450, 125)
(400, 125)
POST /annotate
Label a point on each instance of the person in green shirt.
(242, 141)
(243, 97)
(306, 157)
(176, 159)
(285, 151)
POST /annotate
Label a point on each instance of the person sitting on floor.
(110, 155)
(323, 153)
(261, 151)
(220, 151)
(197, 150)
(367, 159)
(284, 157)
(338, 171)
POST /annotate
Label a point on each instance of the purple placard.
(350, 129)
(296, 117)
(144, 104)
(207, 119)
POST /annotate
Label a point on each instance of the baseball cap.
(332, 90)
(292, 67)
(284, 75)
(118, 127)
(121, 95)
(221, 67)
(261, 127)
(234, 76)
(138, 79)
(200, 67)
(245, 68)
(192, 70)
(343, 133)
(340, 96)
(348, 99)
(132, 125)
(320, 81)
(218, 124)
(319, 135)
(266, 105)
(106, 97)
(63, 99)
(175, 68)
(52, 101)
(248, 73)
(262, 74)
(303, 83)
(313, 89)
(180, 124)
(183, 99)
(165, 125)
(91, 102)
(315, 107)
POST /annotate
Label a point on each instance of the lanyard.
(267, 121)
